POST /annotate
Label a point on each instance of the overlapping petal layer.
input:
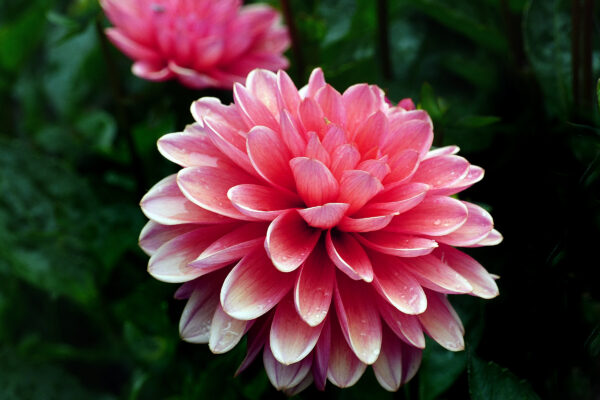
(202, 43)
(321, 224)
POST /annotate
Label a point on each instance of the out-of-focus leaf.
(430, 103)
(489, 381)
(439, 370)
(99, 129)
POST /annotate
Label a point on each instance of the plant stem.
(296, 46)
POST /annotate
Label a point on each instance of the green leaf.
(489, 381)
(439, 370)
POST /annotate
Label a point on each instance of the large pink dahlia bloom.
(322, 225)
(203, 43)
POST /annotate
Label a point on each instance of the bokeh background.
(512, 82)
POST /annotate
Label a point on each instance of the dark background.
(511, 82)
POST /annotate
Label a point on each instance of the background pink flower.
(202, 43)
(320, 224)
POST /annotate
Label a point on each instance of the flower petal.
(289, 241)
(396, 244)
(270, 157)
(436, 275)
(262, 202)
(225, 331)
(441, 172)
(411, 361)
(356, 188)
(288, 92)
(285, 376)
(314, 182)
(290, 134)
(291, 338)
(332, 105)
(365, 224)
(371, 132)
(345, 369)
(263, 86)
(194, 325)
(326, 216)
(348, 255)
(397, 200)
(493, 238)
(388, 367)
(406, 327)
(403, 165)
(345, 157)
(254, 286)
(441, 322)
(360, 102)
(154, 235)
(311, 116)
(192, 148)
(414, 134)
(252, 110)
(479, 224)
(358, 318)
(257, 337)
(321, 355)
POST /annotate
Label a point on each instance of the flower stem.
(296, 46)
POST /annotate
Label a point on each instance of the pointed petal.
(397, 200)
(474, 175)
(434, 274)
(397, 286)
(321, 355)
(263, 86)
(326, 216)
(493, 238)
(334, 138)
(442, 151)
(358, 318)
(208, 186)
(291, 338)
(257, 337)
(396, 244)
(411, 361)
(170, 262)
(196, 318)
(311, 116)
(192, 148)
(388, 367)
(315, 82)
(262, 202)
(314, 287)
(154, 235)
(415, 135)
(479, 224)
(230, 143)
(403, 165)
(345, 369)
(378, 168)
(360, 102)
(332, 105)
(225, 331)
(441, 172)
(434, 216)
(314, 149)
(291, 136)
(231, 247)
(165, 204)
(285, 376)
(288, 92)
(482, 282)
(406, 327)
(345, 157)
(289, 241)
(314, 182)
(357, 187)
(270, 156)
(365, 224)
(348, 255)
(372, 131)
(254, 286)
(252, 110)
(441, 322)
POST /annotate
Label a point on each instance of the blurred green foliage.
(80, 317)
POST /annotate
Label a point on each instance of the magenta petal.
(285, 376)
(254, 112)
(388, 367)
(345, 157)
(314, 287)
(378, 168)
(263, 86)
(326, 216)
(131, 48)
(442, 151)
(441, 172)
(358, 318)
(436, 275)
(441, 322)
(411, 361)
(270, 157)
(231, 247)
(348, 255)
(230, 143)
(315, 82)
(479, 224)
(157, 72)
(170, 262)
(397, 200)
(192, 148)
(257, 336)
(415, 135)
(357, 187)
(332, 105)
(194, 325)
(208, 186)
(403, 165)
(334, 137)
(291, 136)
(288, 92)
(406, 327)
(474, 175)
(262, 202)
(311, 116)
(345, 369)
(397, 286)
(291, 338)
(434, 216)
(372, 131)
(225, 331)
(365, 224)
(314, 149)
(360, 102)
(482, 282)
(493, 238)
(289, 241)
(321, 355)
(165, 204)
(314, 182)
(254, 286)
(154, 235)
(396, 244)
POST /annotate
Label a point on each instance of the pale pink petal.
(442, 151)
(154, 235)
(131, 48)
(291, 338)
(253, 111)
(288, 92)
(345, 157)
(397, 286)
(170, 262)
(365, 224)
(156, 72)
(493, 238)
(332, 105)
(314, 287)
(194, 325)
(285, 376)
(315, 150)
(263, 86)
(231, 247)
(254, 286)
(436, 275)
(291, 136)
(441, 322)
(262, 202)
(326, 216)
(441, 172)
(227, 116)
(378, 168)
(403, 165)
(360, 102)
(192, 148)
(311, 116)
(478, 226)
(208, 186)
(334, 138)
(434, 216)
(358, 318)
(304, 383)
(314, 182)
(165, 204)
(345, 369)
(406, 327)
(270, 157)
(371, 132)
(348, 255)
(193, 79)
(388, 367)
(482, 282)
(315, 82)
(474, 175)
(357, 188)
(397, 245)
(225, 331)
(415, 135)
(397, 200)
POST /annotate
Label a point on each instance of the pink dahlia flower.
(202, 43)
(321, 225)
